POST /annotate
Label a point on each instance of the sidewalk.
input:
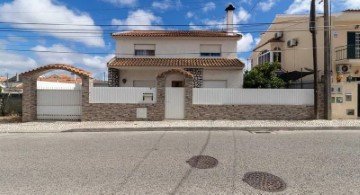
(169, 125)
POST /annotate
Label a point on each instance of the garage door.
(214, 84)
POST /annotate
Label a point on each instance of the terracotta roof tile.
(183, 72)
(69, 68)
(174, 33)
(352, 10)
(176, 62)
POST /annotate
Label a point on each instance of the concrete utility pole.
(327, 61)
(312, 29)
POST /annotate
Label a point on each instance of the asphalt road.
(310, 162)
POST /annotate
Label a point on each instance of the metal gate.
(174, 103)
(59, 104)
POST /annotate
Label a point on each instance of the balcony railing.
(347, 52)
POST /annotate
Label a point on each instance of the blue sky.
(78, 32)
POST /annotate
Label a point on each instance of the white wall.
(234, 78)
(177, 47)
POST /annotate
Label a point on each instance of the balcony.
(347, 54)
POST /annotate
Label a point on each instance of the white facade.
(175, 47)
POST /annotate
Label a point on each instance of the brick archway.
(29, 101)
(188, 85)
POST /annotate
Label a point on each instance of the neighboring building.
(211, 56)
(289, 42)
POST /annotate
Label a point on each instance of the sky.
(34, 33)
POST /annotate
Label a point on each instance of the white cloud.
(33, 13)
(69, 56)
(166, 4)
(266, 5)
(209, 6)
(246, 44)
(189, 14)
(246, 62)
(301, 7)
(241, 16)
(13, 63)
(352, 4)
(129, 3)
(138, 17)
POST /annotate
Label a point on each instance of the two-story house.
(211, 56)
(289, 42)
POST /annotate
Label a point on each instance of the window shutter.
(210, 48)
(351, 45)
(144, 47)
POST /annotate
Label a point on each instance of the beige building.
(289, 42)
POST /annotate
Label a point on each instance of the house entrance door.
(174, 103)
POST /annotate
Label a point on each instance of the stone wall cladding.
(29, 99)
(249, 112)
(113, 77)
(198, 76)
(120, 112)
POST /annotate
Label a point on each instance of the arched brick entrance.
(188, 85)
(29, 102)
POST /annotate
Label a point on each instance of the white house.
(211, 56)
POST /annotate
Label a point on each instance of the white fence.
(58, 104)
(228, 96)
(122, 95)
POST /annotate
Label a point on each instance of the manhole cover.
(264, 181)
(202, 162)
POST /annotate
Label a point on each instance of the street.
(309, 162)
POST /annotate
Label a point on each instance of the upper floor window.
(210, 50)
(144, 49)
(277, 55)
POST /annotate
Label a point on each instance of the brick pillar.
(189, 84)
(198, 76)
(113, 77)
(29, 99)
(160, 96)
(85, 93)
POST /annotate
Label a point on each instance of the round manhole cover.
(264, 181)
(202, 162)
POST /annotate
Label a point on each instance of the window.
(210, 50)
(264, 57)
(348, 97)
(177, 84)
(144, 50)
(350, 112)
(277, 55)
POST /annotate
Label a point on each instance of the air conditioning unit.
(278, 35)
(292, 42)
(345, 68)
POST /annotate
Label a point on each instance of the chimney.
(230, 19)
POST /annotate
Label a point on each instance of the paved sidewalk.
(65, 126)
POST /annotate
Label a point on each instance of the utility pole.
(312, 29)
(327, 62)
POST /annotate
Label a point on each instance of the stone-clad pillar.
(87, 82)
(189, 84)
(114, 77)
(29, 99)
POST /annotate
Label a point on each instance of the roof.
(176, 62)
(175, 33)
(272, 40)
(3, 79)
(66, 67)
(352, 10)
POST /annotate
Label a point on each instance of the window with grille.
(144, 49)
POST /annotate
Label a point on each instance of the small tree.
(263, 76)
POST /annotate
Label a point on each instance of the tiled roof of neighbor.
(352, 10)
(3, 79)
(176, 62)
(174, 33)
(69, 68)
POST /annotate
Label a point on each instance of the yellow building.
(289, 42)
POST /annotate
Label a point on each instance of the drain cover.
(202, 162)
(264, 181)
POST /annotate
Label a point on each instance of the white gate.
(174, 103)
(58, 104)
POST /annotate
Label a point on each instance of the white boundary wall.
(233, 96)
(56, 85)
(122, 95)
